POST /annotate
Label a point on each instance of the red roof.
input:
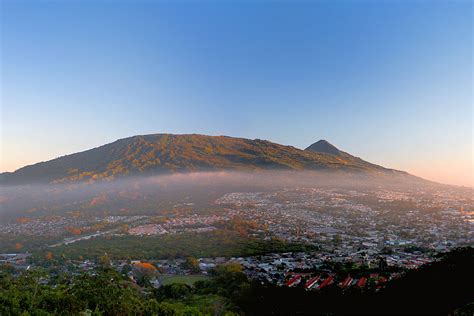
(326, 282)
(361, 282)
(311, 282)
(294, 280)
(346, 282)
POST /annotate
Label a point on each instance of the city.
(379, 231)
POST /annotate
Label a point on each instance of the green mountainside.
(165, 153)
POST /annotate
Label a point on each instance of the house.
(347, 282)
(294, 281)
(311, 282)
(329, 280)
(361, 282)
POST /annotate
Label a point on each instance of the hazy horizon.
(387, 82)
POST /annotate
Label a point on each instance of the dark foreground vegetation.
(443, 287)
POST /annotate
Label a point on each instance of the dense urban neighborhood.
(352, 238)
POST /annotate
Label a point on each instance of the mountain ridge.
(324, 146)
(168, 153)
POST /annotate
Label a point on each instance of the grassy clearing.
(186, 279)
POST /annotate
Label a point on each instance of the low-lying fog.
(143, 194)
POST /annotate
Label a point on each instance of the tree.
(143, 272)
(104, 261)
(192, 264)
(49, 256)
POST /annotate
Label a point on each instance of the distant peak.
(325, 142)
(323, 146)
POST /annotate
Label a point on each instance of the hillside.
(324, 147)
(164, 153)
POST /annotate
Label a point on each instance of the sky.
(388, 81)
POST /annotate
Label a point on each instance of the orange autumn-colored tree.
(145, 265)
(73, 230)
(23, 220)
(143, 272)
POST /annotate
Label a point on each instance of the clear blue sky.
(390, 81)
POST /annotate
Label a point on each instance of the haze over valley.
(145, 188)
(236, 158)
